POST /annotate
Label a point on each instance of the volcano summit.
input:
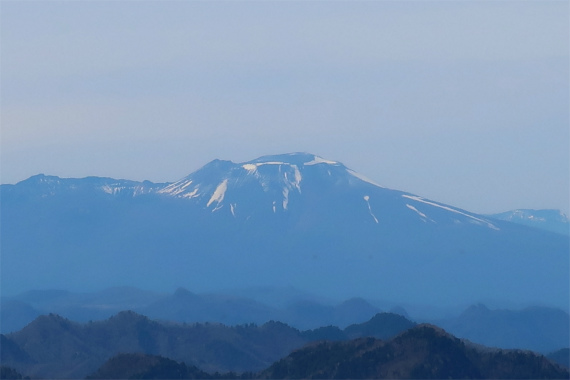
(285, 220)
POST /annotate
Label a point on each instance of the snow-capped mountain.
(287, 183)
(48, 186)
(285, 220)
(549, 220)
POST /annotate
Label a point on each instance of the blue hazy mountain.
(540, 329)
(549, 220)
(287, 220)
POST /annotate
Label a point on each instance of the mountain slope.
(422, 352)
(288, 220)
(141, 366)
(59, 348)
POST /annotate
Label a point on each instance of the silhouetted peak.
(356, 302)
(128, 316)
(399, 310)
(184, 293)
(50, 322)
(426, 331)
(476, 310)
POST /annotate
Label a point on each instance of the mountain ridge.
(54, 347)
(318, 226)
(540, 329)
(291, 161)
(547, 219)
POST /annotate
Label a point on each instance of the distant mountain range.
(549, 220)
(54, 347)
(293, 220)
(540, 329)
(127, 345)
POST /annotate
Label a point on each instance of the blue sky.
(465, 103)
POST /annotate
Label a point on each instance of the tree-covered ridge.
(53, 346)
(422, 352)
(144, 366)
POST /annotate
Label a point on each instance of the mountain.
(17, 311)
(562, 357)
(14, 315)
(59, 348)
(144, 366)
(422, 352)
(54, 347)
(548, 220)
(535, 328)
(381, 326)
(538, 328)
(184, 306)
(294, 220)
(129, 345)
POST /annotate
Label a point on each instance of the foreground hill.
(54, 347)
(144, 366)
(287, 220)
(422, 352)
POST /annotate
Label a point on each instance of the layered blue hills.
(286, 220)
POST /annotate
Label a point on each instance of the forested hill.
(55, 347)
(422, 352)
(129, 345)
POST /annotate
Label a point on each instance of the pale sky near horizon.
(462, 102)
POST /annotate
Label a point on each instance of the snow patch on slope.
(478, 220)
(294, 182)
(367, 200)
(175, 188)
(424, 216)
(219, 193)
(319, 160)
(249, 167)
(416, 210)
(363, 178)
(192, 194)
(107, 189)
(285, 197)
(113, 189)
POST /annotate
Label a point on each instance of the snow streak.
(420, 199)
